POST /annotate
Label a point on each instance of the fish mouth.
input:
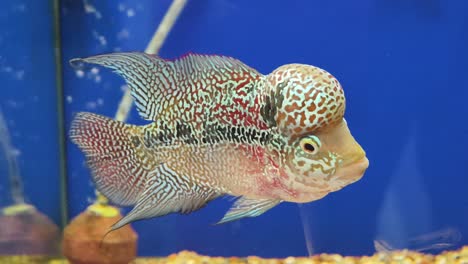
(343, 176)
(353, 171)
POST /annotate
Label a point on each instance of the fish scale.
(219, 128)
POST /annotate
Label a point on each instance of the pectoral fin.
(245, 207)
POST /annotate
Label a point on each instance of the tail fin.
(113, 155)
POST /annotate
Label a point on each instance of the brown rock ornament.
(86, 238)
(26, 231)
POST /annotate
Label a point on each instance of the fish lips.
(352, 172)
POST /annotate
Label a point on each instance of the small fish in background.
(438, 240)
(219, 128)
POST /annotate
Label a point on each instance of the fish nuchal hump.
(167, 90)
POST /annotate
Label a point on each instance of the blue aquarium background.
(403, 65)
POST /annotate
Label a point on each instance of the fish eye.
(310, 144)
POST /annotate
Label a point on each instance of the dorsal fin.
(164, 89)
(200, 63)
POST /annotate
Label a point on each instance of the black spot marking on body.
(136, 141)
(268, 110)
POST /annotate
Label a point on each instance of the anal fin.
(245, 207)
(165, 195)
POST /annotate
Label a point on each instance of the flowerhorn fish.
(219, 128)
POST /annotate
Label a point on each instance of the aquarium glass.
(31, 157)
(402, 65)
